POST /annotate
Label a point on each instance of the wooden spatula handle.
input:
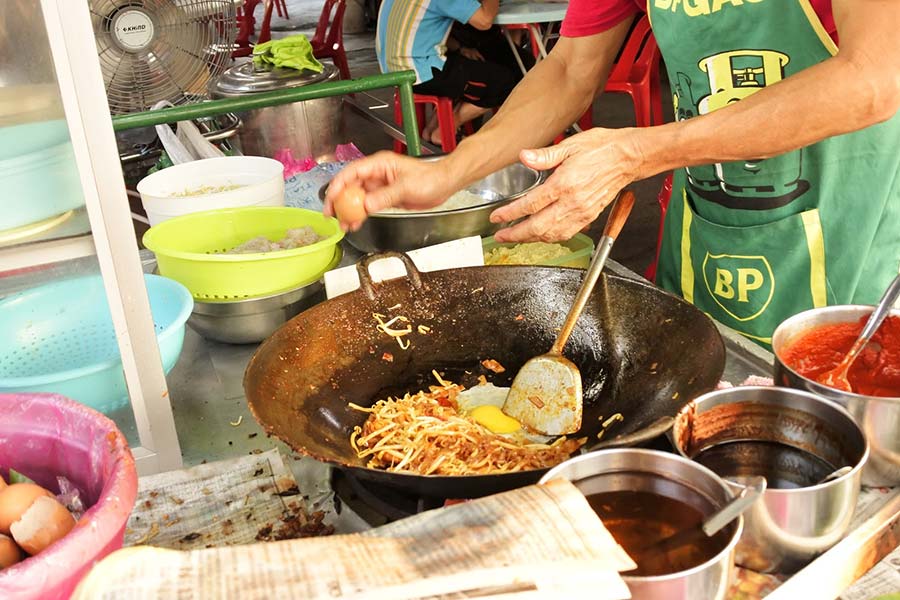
(620, 211)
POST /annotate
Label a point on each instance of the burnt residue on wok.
(641, 353)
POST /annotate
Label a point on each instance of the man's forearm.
(853, 90)
(823, 101)
(550, 98)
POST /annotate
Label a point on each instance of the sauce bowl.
(669, 475)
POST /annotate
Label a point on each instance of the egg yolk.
(493, 419)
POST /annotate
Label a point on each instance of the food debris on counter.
(240, 420)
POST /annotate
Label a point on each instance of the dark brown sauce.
(637, 520)
(783, 466)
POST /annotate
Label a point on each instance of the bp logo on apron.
(742, 286)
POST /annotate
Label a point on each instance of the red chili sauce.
(876, 372)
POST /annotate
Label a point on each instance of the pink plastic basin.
(45, 435)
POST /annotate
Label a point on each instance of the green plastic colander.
(191, 250)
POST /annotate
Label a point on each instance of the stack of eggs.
(31, 519)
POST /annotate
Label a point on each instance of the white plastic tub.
(261, 182)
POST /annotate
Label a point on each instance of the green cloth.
(754, 242)
(292, 52)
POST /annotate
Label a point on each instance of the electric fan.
(154, 50)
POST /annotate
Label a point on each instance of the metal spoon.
(836, 474)
(837, 377)
(546, 394)
(711, 525)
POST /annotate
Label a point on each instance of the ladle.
(837, 377)
(711, 525)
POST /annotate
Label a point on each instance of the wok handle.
(654, 429)
(365, 278)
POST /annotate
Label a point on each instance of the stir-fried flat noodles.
(426, 434)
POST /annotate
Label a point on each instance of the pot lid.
(247, 78)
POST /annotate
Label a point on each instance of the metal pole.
(410, 123)
(401, 79)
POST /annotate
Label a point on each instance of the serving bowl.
(879, 417)
(260, 182)
(252, 320)
(793, 438)
(411, 230)
(674, 477)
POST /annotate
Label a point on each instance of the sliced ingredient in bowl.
(532, 253)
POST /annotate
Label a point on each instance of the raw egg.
(45, 522)
(15, 499)
(350, 205)
(10, 553)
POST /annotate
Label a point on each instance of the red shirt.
(587, 17)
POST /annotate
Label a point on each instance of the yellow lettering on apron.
(675, 4)
(748, 280)
(663, 4)
(695, 8)
(724, 289)
(717, 4)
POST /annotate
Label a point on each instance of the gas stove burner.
(377, 504)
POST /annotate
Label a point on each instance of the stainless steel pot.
(879, 418)
(673, 476)
(742, 425)
(252, 320)
(409, 231)
(310, 128)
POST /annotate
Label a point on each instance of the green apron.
(754, 242)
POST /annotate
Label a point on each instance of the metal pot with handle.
(310, 128)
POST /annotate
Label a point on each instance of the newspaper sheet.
(534, 542)
(238, 501)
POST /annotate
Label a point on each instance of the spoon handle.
(736, 507)
(618, 215)
(882, 310)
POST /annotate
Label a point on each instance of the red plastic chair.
(665, 194)
(281, 7)
(636, 73)
(328, 41)
(446, 124)
(246, 24)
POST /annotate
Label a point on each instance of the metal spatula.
(546, 395)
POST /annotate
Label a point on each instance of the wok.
(641, 352)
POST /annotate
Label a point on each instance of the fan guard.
(154, 50)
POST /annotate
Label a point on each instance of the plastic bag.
(187, 143)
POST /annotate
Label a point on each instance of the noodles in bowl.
(429, 433)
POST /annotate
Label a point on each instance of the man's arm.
(858, 87)
(483, 18)
(550, 98)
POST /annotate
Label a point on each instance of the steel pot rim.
(714, 397)
(723, 554)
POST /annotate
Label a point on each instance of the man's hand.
(591, 169)
(391, 180)
(471, 54)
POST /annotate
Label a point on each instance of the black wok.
(641, 352)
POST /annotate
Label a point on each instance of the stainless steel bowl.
(788, 527)
(879, 418)
(672, 476)
(409, 231)
(252, 320)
